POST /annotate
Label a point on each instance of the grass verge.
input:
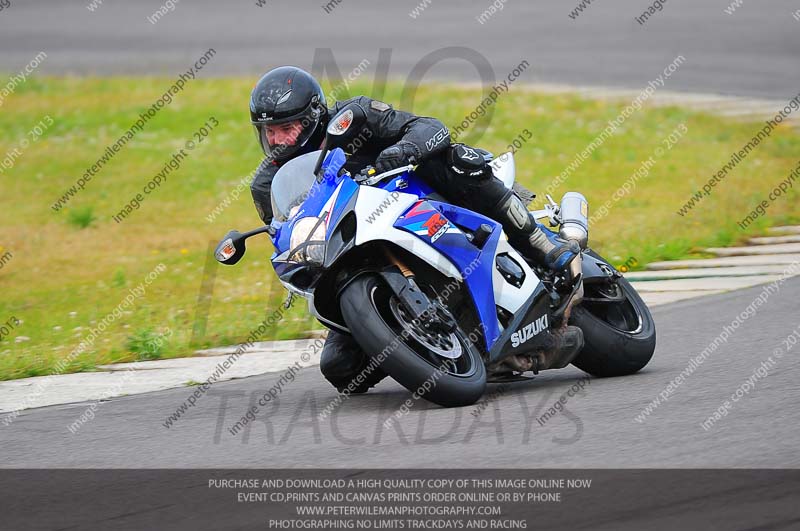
(64, 272)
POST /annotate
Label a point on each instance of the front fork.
(402, 282)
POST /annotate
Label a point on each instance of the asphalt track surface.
(596, 429)
(752, 52)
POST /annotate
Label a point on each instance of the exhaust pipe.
(574, 214)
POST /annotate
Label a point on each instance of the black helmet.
(287, 109)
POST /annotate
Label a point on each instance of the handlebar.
(368, 177)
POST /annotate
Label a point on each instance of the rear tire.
(619, 338)
(365, 305)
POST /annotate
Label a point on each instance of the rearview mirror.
(231, 249)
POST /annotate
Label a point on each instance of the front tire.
(619, 337)
(366, 305)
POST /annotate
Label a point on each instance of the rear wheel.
(444, 368)
(618, 329)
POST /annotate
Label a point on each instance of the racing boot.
(546, 248)
(342, 361)
(536, 243)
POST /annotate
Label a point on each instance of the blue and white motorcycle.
(434, 293)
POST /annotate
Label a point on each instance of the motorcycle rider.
(290, 116)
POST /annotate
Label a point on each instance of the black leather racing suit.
(341, 358)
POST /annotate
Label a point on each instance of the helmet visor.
(281, 141)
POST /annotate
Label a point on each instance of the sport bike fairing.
(396, 211)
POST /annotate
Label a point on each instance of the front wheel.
(618, 329)
(445, 369)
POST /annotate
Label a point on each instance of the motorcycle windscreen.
(291, 184)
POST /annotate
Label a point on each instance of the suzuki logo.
(529, 331)
(437, 226)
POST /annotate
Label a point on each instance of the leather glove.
(401, 154)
